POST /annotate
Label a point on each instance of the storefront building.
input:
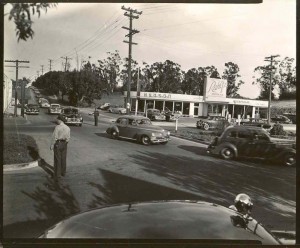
(214, 102)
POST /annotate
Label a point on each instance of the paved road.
(102, 171)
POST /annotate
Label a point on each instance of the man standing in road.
(60, 139)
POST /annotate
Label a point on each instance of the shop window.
(159, 105)
(141, 105)
(178, 106)
(214, 109)
(169, 106)
(149, 104)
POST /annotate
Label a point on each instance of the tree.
(20, 13)
(109, 70)
(231, 75)
(163, 77)
(193, 82)
(287, 75)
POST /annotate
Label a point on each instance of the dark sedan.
(255, 123)
(32, 109)
(71, 115)
(179, 220)
(281, 119)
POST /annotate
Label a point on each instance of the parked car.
(155, 115)
(71, 115)
(104, 106)
(138, 128)
(212, 122)
(179, 220)
(44, 103)
(254, 142)
(172, 116)
(54, 108)
(255, 123)
(32, 109)
(291, 116)
(281, 119)
(41, 99)
(117, 109)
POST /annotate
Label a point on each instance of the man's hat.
(59, 118)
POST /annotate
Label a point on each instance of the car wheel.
(80, 124)
(145, 140)
(289, 159)
(206, 126)
(227, 153)
(114, 134)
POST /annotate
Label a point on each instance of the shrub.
(287, 95)
(277, 130)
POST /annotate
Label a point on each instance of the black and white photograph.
(149, 123)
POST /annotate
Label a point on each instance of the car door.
(132, 128)
(261, 146)
(123, 127)
(243, 142)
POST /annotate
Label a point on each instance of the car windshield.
(55, 105)
(143, 122)
(70, 111)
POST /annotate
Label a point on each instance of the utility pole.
(50, 62)
(130, 34)
(270, 59)
(66, 58)
(17, 66)
(42, 69)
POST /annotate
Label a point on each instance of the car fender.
(113, 129)
(229, 145)
(284, 152)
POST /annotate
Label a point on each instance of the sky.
(192, 35)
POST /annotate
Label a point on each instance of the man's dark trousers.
(60, 158)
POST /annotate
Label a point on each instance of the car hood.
(162, 220)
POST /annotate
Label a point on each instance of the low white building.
(214, 102)
(7, 92)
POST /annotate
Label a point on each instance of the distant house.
(7, 92)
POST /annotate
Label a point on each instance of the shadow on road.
(53, 201)
(104, 135)
(46, 167)
(124, 189)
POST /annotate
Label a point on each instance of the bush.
(277, 130)
(19, 148)
(288, 95)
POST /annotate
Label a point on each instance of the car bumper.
(31, 113)
(159, 140)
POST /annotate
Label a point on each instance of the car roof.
(162, 220)
(244, 127)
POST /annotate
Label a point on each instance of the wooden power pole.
(130, 34)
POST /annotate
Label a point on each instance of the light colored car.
(54, 109)
(138, 128)
(117, 109)
(155, 115)
(104, 106)
(44, 103)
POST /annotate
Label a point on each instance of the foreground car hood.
(161, 220)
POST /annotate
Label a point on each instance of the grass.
(19, 149)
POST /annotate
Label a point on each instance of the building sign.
(156, 95)
(215, 88)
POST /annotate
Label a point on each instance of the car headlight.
(153, 134)
(168, 133)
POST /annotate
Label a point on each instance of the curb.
(190, 139)
(13, 167)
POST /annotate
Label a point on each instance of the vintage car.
(281, 119)
(155, 115)
(291, 116)
(255, 123)
(71, 115)
(117, 109)
(138, 128)
(32, 109)
(212, 122)
(254, 142)
(104, 106)
(172, 116)
(54, 108)
(181, 221)
(44, 103)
